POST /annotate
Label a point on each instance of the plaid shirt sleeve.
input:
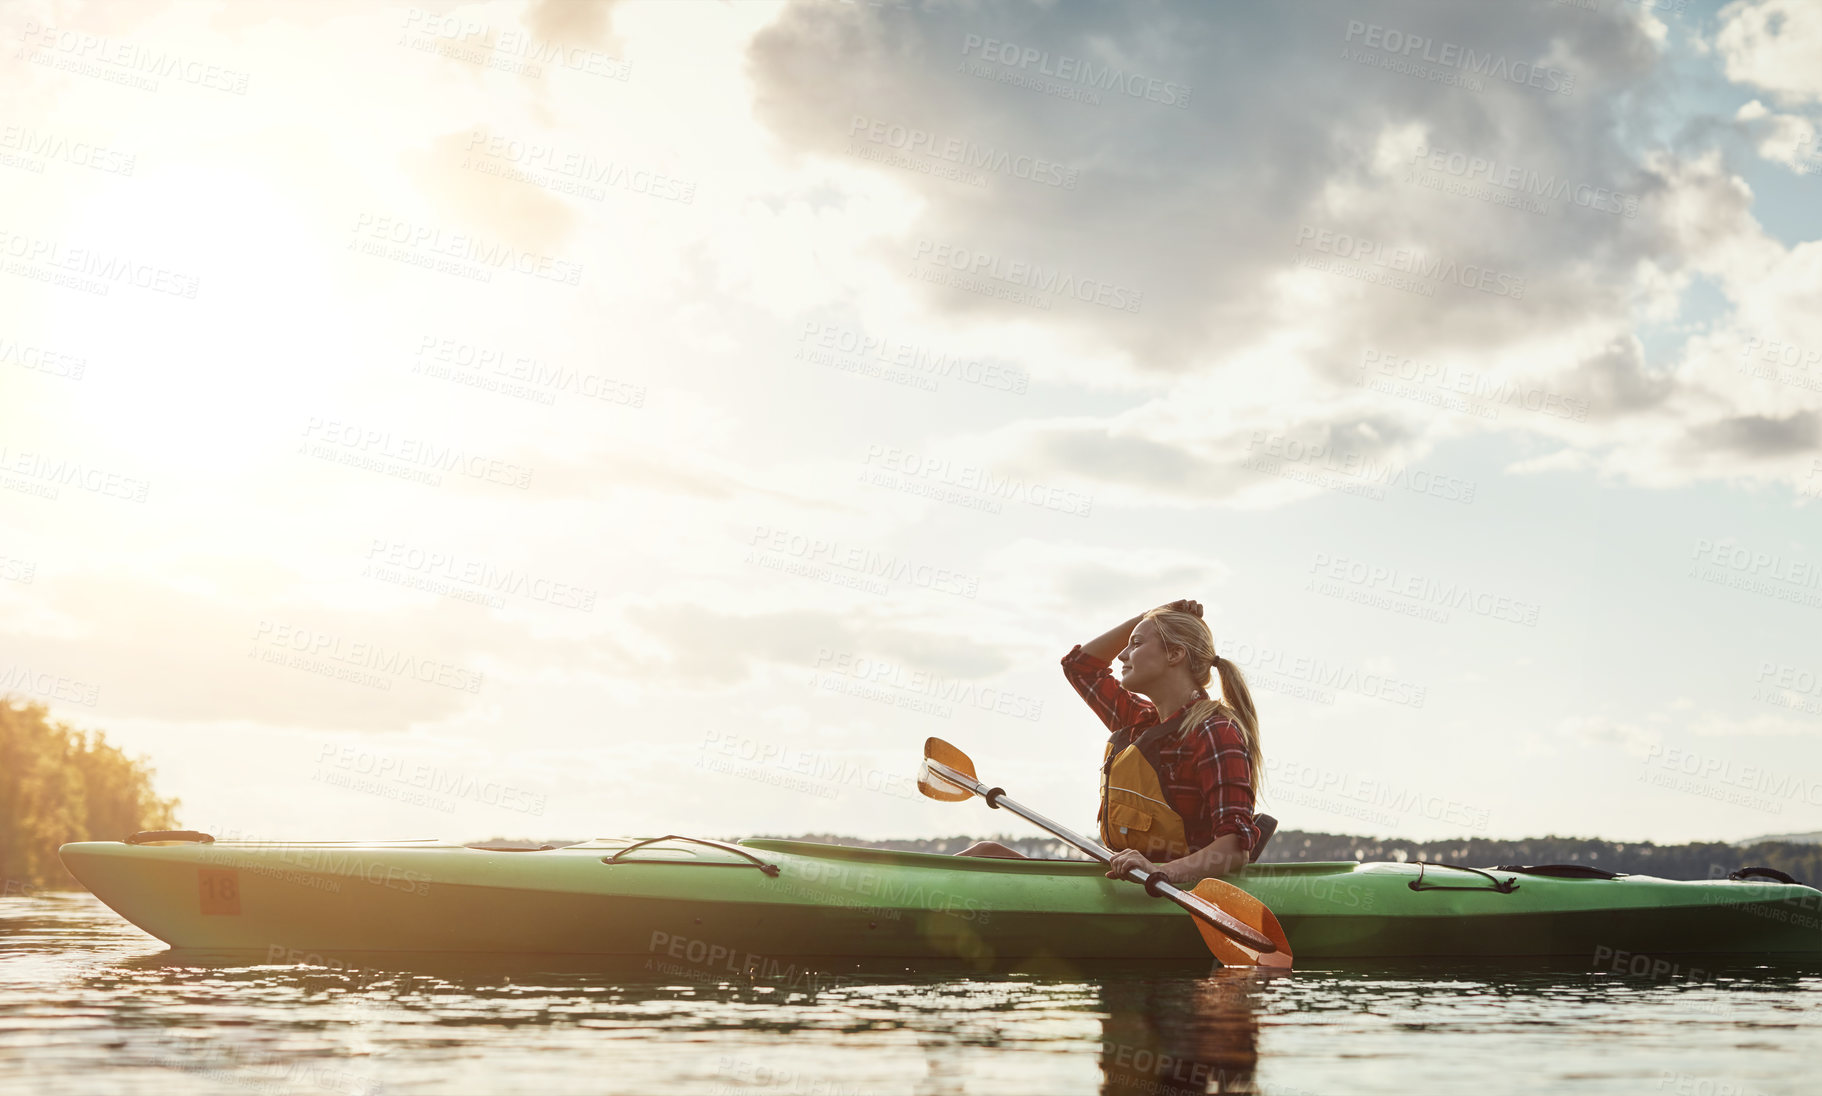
(1119, 709)
(1224, 779)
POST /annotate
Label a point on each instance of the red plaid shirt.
(1207, 777)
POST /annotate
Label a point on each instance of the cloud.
(1758, 725)
(1148, 456)
(466, 188)
(1761, 435)
(574, 22)
(1773, 44)
(1570, 237)
(1070, 582)
(1787, 139)
(1596, 730)
(1201, 208)
(600, 473)
(1615, 381)
(699, 647)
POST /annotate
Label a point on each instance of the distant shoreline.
(1801, 858)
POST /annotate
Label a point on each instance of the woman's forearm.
(1108, 645)
(1219, 858)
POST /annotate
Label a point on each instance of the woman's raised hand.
(1185, 605)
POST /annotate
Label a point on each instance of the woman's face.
(1145, 661)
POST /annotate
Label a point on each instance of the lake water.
(90, 1004)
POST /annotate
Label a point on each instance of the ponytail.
(1238, 699)
(1234, 700)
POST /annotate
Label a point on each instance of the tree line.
(1700, 860)
(59, 783)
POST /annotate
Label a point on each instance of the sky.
(577, 419)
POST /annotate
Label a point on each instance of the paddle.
(1252, 938)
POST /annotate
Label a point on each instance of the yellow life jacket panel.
(1134, 812)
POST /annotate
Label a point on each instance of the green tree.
(58, 784)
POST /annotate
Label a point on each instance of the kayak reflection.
(1161, 1037)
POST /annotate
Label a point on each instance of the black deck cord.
(144, 837)
(1503, 887)
(1743, 874)
(1560, 871)
(993, 797)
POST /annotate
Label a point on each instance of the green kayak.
(709, 905)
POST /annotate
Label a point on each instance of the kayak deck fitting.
(655, 897)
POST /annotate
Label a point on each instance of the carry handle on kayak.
(148, 837)
(1501, 886)
(752, 861)
(948, 775)
(1742, 874)
(1560, 871)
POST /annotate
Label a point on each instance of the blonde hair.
(1179, 629)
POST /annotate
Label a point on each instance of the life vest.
(1134, 812)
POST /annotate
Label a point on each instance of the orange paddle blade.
(935, 749)
(935, 786)
(1251, 912)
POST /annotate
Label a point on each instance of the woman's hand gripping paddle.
(1237, 927)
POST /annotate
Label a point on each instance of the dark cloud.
(1760, 435)
(1200, 207)
(1093, 450)
(1615, 382)
(1207, 469)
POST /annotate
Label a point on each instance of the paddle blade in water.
(1249, 911)
(936, 787)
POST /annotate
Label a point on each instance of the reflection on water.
(88, 1003)
(1182, 1035)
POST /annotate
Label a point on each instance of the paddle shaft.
(1214, 915)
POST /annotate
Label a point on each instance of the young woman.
(1176, 788)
